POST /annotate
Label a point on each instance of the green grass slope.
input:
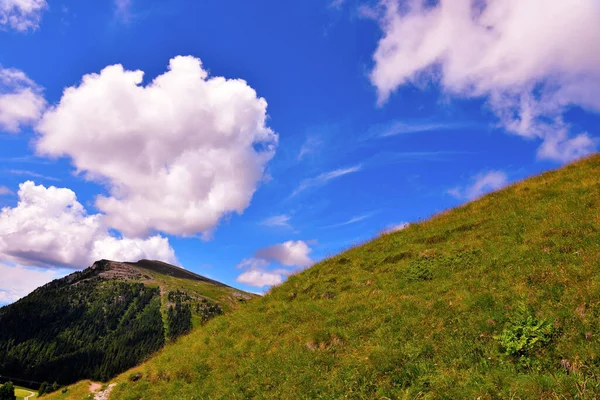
(22, 393)
(497, 299)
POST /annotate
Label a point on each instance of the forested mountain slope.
(105, 319)
(499, 298)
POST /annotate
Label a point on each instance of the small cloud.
(562, 148)
(259, 278)
(324, 178)
(21, 99)
(277, 221)
(4, 191)
(291, 253)
(288, 254)
(481, 184)
(396, 227)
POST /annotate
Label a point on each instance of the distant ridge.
(171, 270)
(95, 323)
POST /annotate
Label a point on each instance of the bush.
(524, 335)
(7, 391)
(420, 271)
(45, 388)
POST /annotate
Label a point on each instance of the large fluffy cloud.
(21, 100)
(289, 254)
(177, 154)
(532, 60)
(49, 227)
(21, 15)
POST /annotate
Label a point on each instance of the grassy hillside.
(22, 393)
(497, 299)
(105, 319)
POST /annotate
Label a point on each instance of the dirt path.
(94, 387)
(103, 395)
(29, 396)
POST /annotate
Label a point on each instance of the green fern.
(525, 335)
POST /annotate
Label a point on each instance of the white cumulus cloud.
(289, 254)
(21, 100)
(531, 60)
(481, 184)
(21, 15)
(177, 154)
(50, 228)
(259, 278)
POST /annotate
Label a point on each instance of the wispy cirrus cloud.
(325, 177)
(31, 174)
(351, 221)
(310, 146)
(407, 127)
(4, 191)
(277, 221)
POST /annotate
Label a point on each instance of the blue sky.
(378, 115)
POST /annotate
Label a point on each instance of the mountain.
(105, 319)
(499, 298)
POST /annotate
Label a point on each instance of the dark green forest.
(90, 329)
(99, 322)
